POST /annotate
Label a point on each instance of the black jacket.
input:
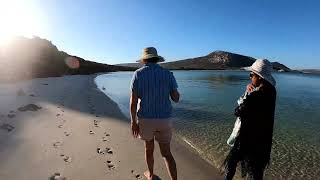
(257, 119)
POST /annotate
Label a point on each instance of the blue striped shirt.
(153, 84)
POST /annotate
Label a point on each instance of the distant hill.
(25, 58)
(310, 71)
(280, 67)
(217, 60)
(133, 65)
(214, 60)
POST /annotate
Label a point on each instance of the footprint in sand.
(138, 176)
(95, 122)
(58, 115)
(109, 151)
(105, 133)
(57, 176)
(91, 132)
(100, 151)
(106, 150)
(60, 126)
(30, 107)
(7, 127)
(57, 144)
(110, 165)
(67, 159)
(66, 134)
(104, 139)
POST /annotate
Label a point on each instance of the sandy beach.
(66, 127)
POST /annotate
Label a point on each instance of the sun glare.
(17, 18)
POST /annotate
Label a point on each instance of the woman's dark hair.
(265, 82)
(152, 60)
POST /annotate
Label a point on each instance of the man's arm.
(133, 114)
(175, 95)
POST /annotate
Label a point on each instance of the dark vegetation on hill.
(26, 58)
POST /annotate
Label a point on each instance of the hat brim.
(160, 58)
(269, 78)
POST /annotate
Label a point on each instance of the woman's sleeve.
(248, 105)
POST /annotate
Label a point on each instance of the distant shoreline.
(191, 69)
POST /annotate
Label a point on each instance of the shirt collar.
(152, 65)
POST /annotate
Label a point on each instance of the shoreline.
(81, 132)
(178, 143)
(176, 137)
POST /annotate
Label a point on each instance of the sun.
(17, 18)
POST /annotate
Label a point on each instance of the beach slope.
(65, 127)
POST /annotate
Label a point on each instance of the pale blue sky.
(115, 31)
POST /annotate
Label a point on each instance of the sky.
(116, 31)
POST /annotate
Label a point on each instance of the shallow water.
(204, 117)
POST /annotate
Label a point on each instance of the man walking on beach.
(153, 86)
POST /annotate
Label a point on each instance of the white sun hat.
(263, 68)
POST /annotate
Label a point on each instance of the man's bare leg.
(149, 148)
(169, 160)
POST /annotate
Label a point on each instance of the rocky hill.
(25, 58)
(217, 60)
(280, 67)
(214, 60)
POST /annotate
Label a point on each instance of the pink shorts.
(159, 129)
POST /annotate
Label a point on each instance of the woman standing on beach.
(252, 146)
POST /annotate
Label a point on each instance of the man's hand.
(135, 129)
(175, 96)
(133, 114)
(250, 88)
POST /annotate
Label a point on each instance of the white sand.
(57, 138)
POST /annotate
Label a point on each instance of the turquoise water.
(204, 117)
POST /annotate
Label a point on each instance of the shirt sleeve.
(173, 82)
(134, 83)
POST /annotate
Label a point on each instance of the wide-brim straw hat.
(263, 68)
(150, 52)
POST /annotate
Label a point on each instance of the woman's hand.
(250, 88)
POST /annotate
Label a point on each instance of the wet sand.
(65, 128)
